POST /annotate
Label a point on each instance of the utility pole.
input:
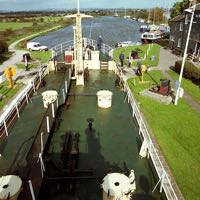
(185, 55)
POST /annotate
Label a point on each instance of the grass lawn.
(43, 57)
(8, 92)
(155, 50)
(14, 25)
(188, 86)
(30, 66)
(176, 129)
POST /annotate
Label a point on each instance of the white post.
(17, 110)
(140, 125)
(26, 98)
(42, 143)
(61, 49)
(70, 73)
(31, 189)
(63, 91)
(53, 110)
(133, 107)
(33, 84)
(128, 96)
(48, 127)
(5, 126)
(149, 149)
(184, 56)
(57, 102)
(41, 164)
(40, 76)
(160, 180)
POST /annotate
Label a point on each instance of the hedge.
(190, 71)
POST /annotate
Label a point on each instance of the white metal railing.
(14, 105)
(60, 48)
(164, 178)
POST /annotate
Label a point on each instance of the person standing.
(99, 42)
(26, 62)
(121, 58)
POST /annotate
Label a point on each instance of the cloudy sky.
(69, 4)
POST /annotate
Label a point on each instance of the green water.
(111, 146)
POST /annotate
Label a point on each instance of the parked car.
(36, 46)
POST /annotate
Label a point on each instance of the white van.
(36, 46)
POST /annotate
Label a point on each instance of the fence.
(152, 151)
(12, 112)
(36, 167)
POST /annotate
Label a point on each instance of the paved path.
(167, 59)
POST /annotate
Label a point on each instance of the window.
(181, 26)
(179, 43)
(186, 19)
(171, 38)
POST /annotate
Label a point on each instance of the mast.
(79, 66)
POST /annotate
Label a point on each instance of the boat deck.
(111, 146)
(16, 146)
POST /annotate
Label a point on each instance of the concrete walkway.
(167, 59)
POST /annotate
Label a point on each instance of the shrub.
(190, 71)
(3, 47)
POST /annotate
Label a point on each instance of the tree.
(179, 7)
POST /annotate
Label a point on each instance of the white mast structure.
(79, 66)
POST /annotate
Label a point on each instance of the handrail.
(23, 94)
(161, 170)
(60, 48)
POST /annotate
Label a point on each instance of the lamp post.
(184, 56)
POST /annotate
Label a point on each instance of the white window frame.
(181, 26)
(171, 38)
(186, 19)
(179, 43)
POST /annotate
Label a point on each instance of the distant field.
(14, 25)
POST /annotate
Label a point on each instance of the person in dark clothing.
(139, 69)
(121, 58)
(99, 42)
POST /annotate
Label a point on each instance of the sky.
(21, 5)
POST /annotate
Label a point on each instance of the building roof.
(190, 9)
(178, 18)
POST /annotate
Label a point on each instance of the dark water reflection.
(112, 30)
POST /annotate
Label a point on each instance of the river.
(111, 29)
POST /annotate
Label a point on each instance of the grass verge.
(176, 129)
(43, 57)
(8, 93)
